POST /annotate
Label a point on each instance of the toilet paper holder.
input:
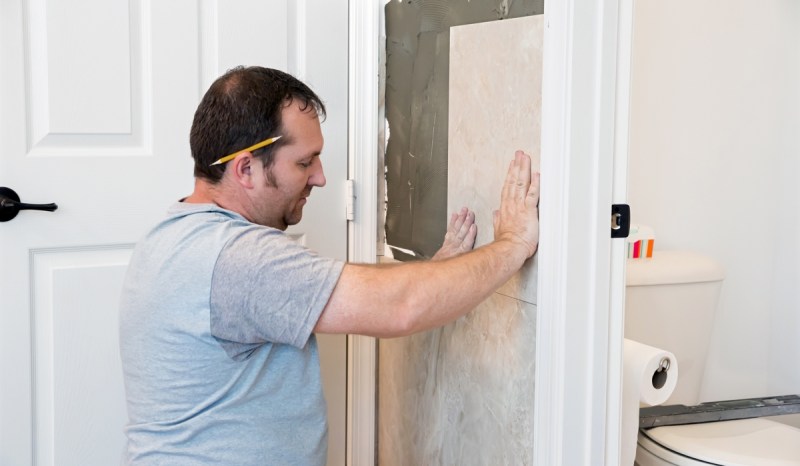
(660, 374)
(663, 365)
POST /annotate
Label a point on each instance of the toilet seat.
(744, 442)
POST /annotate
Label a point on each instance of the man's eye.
(305, 164)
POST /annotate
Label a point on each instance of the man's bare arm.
(401, 299)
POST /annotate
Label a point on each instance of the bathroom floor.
(788, 419)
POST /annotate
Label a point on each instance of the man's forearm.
(400, 299)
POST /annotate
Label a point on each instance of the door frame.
(363, 82)
(585, 105)
(581, 318)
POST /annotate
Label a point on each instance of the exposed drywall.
(464, 393)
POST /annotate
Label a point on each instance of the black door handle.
(10, 205)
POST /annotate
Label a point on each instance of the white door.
(96, 101)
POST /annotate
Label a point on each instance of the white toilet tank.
(670, 303)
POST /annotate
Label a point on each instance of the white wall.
(715, 143)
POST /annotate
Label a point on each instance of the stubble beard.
(293, 217)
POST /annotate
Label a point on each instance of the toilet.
(670, 304)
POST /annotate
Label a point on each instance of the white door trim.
(581, 271)
(364, 35)
(619, 194)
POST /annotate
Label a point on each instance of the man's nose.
(318, 178)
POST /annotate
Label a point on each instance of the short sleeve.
(267, 288)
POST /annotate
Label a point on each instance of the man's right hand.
(517, 220)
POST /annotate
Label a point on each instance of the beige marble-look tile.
(461, 394)
(495, 108)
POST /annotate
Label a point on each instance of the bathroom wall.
(464, 393)
(715, 145)
(417, 70)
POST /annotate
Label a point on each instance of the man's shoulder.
(187, 218)
(202, 212)
(196, 224)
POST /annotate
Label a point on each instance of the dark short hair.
(241, 108)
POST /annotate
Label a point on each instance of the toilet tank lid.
(673, 267)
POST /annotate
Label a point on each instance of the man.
(219, 306)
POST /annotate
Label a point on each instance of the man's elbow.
(406, 319)
(420, 311)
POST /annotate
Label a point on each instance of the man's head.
(242, 107)
(270, 185)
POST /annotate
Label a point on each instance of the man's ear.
(242, 168)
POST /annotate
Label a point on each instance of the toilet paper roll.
(649, 376)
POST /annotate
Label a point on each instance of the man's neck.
(220, 195)
(204, 193)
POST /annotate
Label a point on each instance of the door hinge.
(350, 200)
(620, 220)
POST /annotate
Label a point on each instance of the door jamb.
(363, 43)
(581, 271)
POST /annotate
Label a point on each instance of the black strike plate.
(620, 220)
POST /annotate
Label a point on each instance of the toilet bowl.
(750, 442)
(671, 300)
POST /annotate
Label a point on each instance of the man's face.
(295, 170)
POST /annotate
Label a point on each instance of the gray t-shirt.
(219, 361)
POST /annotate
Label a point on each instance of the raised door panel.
(77, 391)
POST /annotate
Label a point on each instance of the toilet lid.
(744, 442)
